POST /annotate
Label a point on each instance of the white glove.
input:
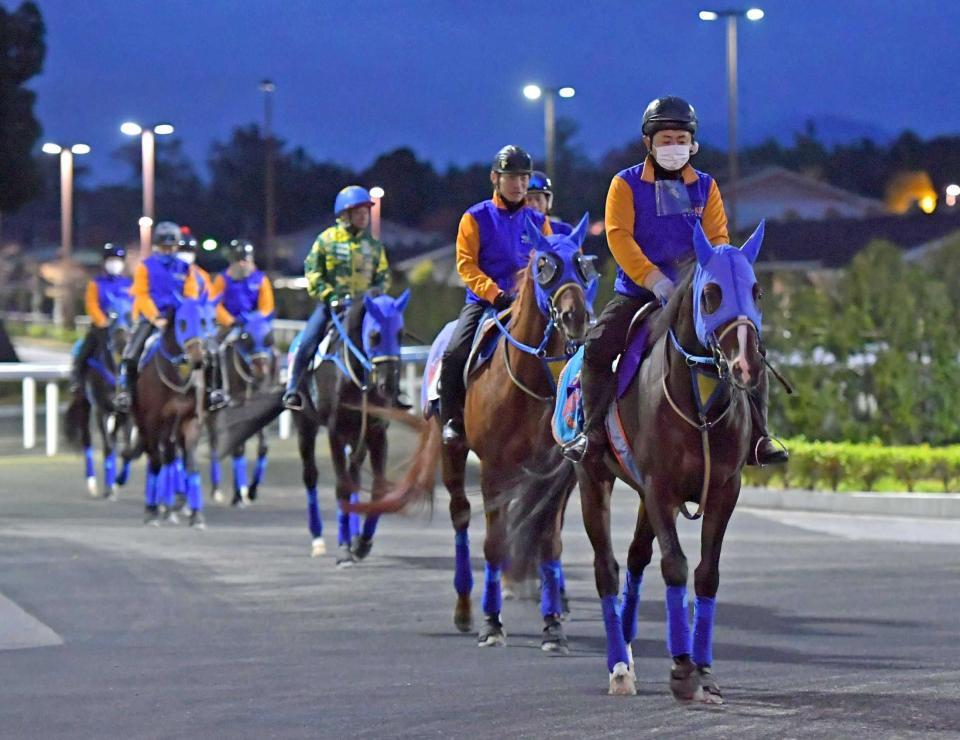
(663, 289)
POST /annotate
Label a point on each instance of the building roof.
(761, 182)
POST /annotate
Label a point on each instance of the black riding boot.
(763, 450)
(598, 389)
(123, 400)
(451, 413)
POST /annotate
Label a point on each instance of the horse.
(507, 410)
(248, 362)
(169, 407)
(358, 370)
(679, 433)
(99, 383)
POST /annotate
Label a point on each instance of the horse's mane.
(524, 280)
(666, 318)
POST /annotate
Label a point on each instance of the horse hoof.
(318, 547)
(218, 495)
(622, 681)
(345, 557)
(564, 607)
(361, 547)
(92, 486)
(252, 494)
(685, 681)
(554, 640)
(463, 614)
(151, 517)
(245, 495)
(197, 520)
(492, 634)
(711, 689)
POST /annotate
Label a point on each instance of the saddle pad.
(150, 348)
(631, 357)
(567, 421)
(484, 341)
(430, 385)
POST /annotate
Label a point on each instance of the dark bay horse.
(359, 369)
(248, 363)
(507, 412)
(169, 407)
(680, 433)
(99, 383)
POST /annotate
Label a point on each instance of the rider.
(242, 288)
(490, 252)
(540, 198)
(345, 260)
(157, 281)
(103, 291)
(650, 215)
(187, 251)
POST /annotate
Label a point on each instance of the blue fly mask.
(193, 321)
(256, 336)
(383, 326)
(560, 263)
(725, 289)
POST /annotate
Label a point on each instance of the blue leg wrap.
(562, 580)
(180, 476)
(110, 470)
(343, 527)
(463, 575)
(678, 621)
(492, 598)
(194, 496)
(162, 485)
(631, 601)
(354, 517)
(313, 513)
(260, 470)
(239, 473)
(616, 645)
(370, 526)
(150, 490)
(170, 489)
(124, 473)
(216, 474)
(703, 611)
(88, 462)
(550, 588)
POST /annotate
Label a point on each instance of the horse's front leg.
(127, 453)
(339, 433)
(241, 489)
(216, 474)
(596, 486)
(376, 443)
(706, 580)
(307, 429)
(638, 558)
(551, 578)
(189, 439)
(109, 432)
(492, 633)
(89, 468)
(261, 466)
(453, 464)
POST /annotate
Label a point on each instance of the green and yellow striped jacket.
(341, 264)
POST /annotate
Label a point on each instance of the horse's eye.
(757, 293)
(546, 270)
(182, 326)
(400, 336)
(711, 299)
(374, 338)
(268, 339)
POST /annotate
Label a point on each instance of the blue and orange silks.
(157, 282)
(241, 296)
(104, 292)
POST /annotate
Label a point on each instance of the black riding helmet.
(512, 160)
(240, 249)
(112, 249)
(669, 112)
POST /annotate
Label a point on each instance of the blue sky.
(355, 79)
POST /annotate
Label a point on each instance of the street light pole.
(268, 87)
(549, 95)
(148, 158)
(377, 194)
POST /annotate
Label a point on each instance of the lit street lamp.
(65, 297)
(549, 95)
(148, 145)
(377, 194)
(953, 192)
(752, 14)
(268, 87)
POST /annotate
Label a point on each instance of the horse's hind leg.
(551, 577)
(706, 580)
(454, 470)
(376, 440)
(128, 453)
(596, 485)
(89, 469)
(216, 474)
(108, 432)
(492, 633)
(641, 551)
(151, 509)
(339, 436)
(306, 443)
(189, 438)
(241, 490)
(260, 470)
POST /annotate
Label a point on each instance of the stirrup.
(780, 457)
(292, 400)
(576, 449)
(453, 433)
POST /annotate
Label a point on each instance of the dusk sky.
(444, 77)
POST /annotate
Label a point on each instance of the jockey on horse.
(652, 209)
(489, 256)
(109, 288)
(540, 198)
(242, 288)
(345, 260)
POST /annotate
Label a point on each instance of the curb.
(921, 505)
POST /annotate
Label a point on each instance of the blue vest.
(166, 282)
(502, 253)
(241, 296)
(667, 241)
(110, 289)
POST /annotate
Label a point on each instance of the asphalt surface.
(827, 626)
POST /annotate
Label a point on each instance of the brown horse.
(507, 411)
(685, 434)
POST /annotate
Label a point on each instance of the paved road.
(235, 632)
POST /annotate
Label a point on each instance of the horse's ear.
(580, 232)
(401, 302)
(373, 309)
(533, 233)
(751, 247)
(178, 298)
(702, 246)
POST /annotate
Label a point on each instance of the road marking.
(19, 630)
(926, 531)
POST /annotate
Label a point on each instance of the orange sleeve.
(224, 317)
(92, 302)
(468, 253)
(265, 302)
(714, 220)
(143, 304)
(192, 284)
(547, 228)
(619, 218)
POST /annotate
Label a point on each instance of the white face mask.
(672, 157)
(113, 266)
(187, 257)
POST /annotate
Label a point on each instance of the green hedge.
(862, 467)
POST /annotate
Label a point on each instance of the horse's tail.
(537, 502)
(419, 480)
(77, 418)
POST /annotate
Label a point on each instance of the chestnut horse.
(507, 411)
